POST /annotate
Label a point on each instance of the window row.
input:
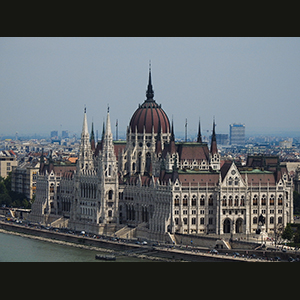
(194, 200)
(233, 202)
(255, 200)
(193, 221)
(272, 220)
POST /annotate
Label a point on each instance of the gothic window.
(185, 200)
(263, 200)
(242, 201)
(202, 200)
(176, 200)
(271, 220)
(109, 170)
(230, 180)
(148, 162)
(279, 220)
(184, 221)
(193, 221)
(110, 195)
(230, 201)
(201, 221)
(255, 220)
(224, 201)
(194, 200)
(210, 201)
(280, 200)
(255, 200)
(272, 200)
(236, 181)
(236, 201)
(110, 213)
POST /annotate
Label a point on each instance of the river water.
(15, 248)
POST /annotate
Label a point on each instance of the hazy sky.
(45, 82)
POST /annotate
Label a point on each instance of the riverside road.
(152, 250)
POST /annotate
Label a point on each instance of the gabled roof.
(191, 151)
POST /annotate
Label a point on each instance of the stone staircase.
(125, 232)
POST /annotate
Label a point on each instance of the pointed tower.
(109, 177)
(92, 140)
(214, 154)
(199, 137)
(150, 92)
(85, 159)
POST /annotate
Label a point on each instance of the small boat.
(105, 257)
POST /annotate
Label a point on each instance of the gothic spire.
(199, 138)
(213, 145)
(84, 125)
(108, 127)
(149, 92)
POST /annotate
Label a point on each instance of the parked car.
(214, 251)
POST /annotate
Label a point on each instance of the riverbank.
(155, 253)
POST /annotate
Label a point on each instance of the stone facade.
(161, 187)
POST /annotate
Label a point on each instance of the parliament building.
(152, 187)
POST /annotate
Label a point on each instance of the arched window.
(185, 200)
(194, 200)
(236, 181)
(176, 200)
(279, 220)
(210, 200)
(255, 200)
(230, 181)
(224, 201)
(110, 195)
(242, 200)
(236, 201)
(263, 200)
(202, 200)
(255, 220)
(230, 201)
(280, 200)
(272, 200)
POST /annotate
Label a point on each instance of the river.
(15, 248)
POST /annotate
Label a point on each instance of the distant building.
(286, 143)
(23, 178)
(222, 139)
(65, 134)
(237, 134)
(8, 159)
(54, 134)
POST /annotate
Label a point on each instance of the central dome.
(149, 115)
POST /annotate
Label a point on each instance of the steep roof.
(191, 151)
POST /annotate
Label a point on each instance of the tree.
(288, 233)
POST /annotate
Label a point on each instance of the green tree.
(288, 233)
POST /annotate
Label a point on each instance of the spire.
(213, 145)
(199, 138)
(92, 139)
(108, 127)
(84, 125)
(172, 131)
(149, 92)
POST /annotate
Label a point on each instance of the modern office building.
(237, 134)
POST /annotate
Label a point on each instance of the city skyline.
(46, 82)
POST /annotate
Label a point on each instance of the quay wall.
(113, 245)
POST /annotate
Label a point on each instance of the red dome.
(149, 115)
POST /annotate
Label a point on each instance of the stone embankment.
(158, 253)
